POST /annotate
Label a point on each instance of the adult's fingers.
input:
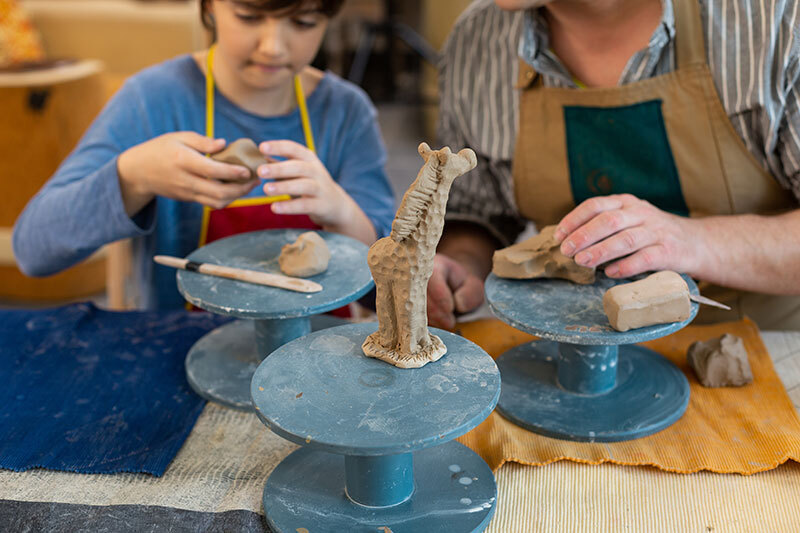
(469, 295)
(287, 149)
(441, 305)
(619, 245)
(466, 288)
(587, 210)
(649, 258)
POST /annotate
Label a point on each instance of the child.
(140, 170)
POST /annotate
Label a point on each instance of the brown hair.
(329, 8)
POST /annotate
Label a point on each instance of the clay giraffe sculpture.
(402, 263)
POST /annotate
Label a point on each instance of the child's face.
(263, 49)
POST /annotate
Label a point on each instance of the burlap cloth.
(726, 430)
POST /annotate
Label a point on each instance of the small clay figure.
(307, 256)
(243, 152)
(402, 263)
(659, 298)
(539, 257)
(720, 362)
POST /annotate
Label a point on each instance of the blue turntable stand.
(376, 441)
(220, 365)
(587, 381)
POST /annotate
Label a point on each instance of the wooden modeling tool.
(708, 301)
(240, 274)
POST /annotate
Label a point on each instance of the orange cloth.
(726, 430)
(19, 40)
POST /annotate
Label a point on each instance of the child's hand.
(305, 178)
(174, 165)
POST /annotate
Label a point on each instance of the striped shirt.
(753, 49)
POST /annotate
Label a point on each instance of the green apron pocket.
(613, 150)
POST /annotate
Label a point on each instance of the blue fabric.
(96, 392)
(80, 208)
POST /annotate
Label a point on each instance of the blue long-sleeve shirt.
(80, 208)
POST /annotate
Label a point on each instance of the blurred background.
(89, 47)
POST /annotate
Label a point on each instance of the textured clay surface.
(402, 263)
(539, 257)
(242, 152)
(307, 256)
(659, 298)
(720, 362)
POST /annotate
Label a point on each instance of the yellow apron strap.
(301, 104)
(304, 118)
(690, 46)
(210, 91)
(209, 131)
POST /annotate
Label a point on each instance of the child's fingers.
(293, 187)
(201, 143)
(200, 165)
(287, 149)
(298, 206)
(214, 193)
(292, 168)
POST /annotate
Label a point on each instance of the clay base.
(432, 352)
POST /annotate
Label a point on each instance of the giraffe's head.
(433, 182)
(447, 164)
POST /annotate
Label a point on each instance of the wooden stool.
(43, 114)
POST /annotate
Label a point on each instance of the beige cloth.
(569, 497)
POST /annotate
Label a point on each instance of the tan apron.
(665, 139)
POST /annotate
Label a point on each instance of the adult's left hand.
(636, 233)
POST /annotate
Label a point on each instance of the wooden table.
(216, 480)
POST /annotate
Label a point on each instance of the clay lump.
(659, 298)
(720, 362)
(539, 257)
(307, 256)
(243, 152)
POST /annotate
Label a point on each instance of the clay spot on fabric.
(613, 150)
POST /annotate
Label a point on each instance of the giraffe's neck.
(429, 229)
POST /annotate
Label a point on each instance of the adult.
(657, 134)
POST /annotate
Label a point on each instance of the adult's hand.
(452, 289)
(637, 234)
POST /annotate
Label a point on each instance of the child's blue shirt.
(80, 208)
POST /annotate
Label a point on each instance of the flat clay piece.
(720, 362)
(659, 298)
(243, 152)
(539, 257)
(307, 256)
(402, 263)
